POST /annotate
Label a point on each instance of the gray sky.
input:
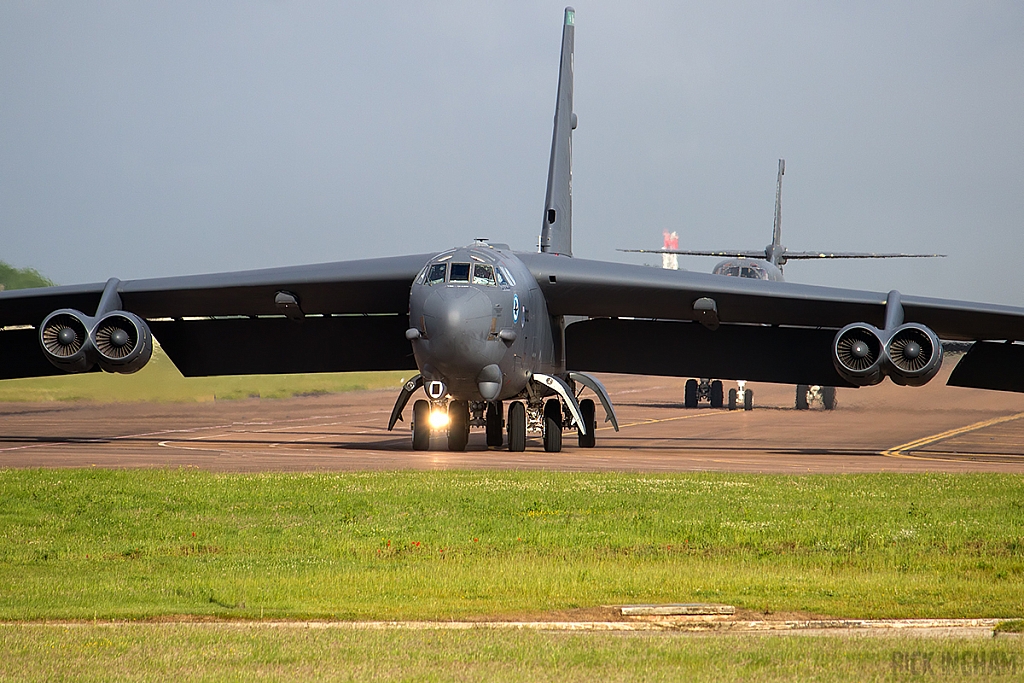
(163, 138)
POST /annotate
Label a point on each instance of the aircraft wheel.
(828, 398)
(553, 426)
(801, 396)
(732, 399)
(517, 427)
(690, 394)
(587, 411)
(748, 400)
(458, 425)
(716, 394)
(495, 412)
(421, 426)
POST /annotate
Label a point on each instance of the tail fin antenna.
(556, 233)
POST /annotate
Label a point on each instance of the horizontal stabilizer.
(990, 365)
(787, 255)
(736, 253)
(790, 255)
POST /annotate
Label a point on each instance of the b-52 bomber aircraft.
(764, 264)
(485, 327)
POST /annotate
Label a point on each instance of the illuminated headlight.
(438, 419)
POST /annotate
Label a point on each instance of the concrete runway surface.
(875, 429)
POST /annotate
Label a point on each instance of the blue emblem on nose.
(515, 308)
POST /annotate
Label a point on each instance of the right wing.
(355, 316)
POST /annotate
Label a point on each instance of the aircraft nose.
(458, 312)
(460, 345)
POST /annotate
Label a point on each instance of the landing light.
(438, 419)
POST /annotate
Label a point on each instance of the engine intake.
(915, 355)
(64, 337)
(857, 354)
(123, 342)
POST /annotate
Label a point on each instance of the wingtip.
(570, 16)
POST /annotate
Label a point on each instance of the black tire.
(587, 412)
(553, 426)
(801, 396)
(421, 426)
(716, 394)
(828, 398)
(495, 434)
(458, 425)
(748, 400)
(516, 427)
(690, 394)
(732, 399)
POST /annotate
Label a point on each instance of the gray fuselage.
(483, 324)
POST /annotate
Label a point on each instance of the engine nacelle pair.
(118, 341)
(910, 354)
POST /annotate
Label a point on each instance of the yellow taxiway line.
(900, 451)
(678, 417)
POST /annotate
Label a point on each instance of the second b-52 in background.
(758, 264)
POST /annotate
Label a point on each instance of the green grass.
(439, 545)
(161, 381)
(205, 652)
(1011, 626)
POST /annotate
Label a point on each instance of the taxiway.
(883, 428)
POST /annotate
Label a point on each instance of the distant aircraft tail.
(556, 233)
(775, 251)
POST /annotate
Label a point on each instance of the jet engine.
(857, 354)
(64, 337)
(119, 341)
(123, 342)
(910, 354)
(915, 355)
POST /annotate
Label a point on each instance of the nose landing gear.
(458, 425)
(517, 427)
(495, 423)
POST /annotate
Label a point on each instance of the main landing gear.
(706, 390)
(712, 391)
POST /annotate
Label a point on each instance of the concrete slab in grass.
(677, 609)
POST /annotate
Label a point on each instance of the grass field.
(161, 381)
(86, 544)
(229, 652)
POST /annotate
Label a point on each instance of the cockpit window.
(460, 273)
(436, 273)
(508, 275)
(483, 274)
(502, 282)
(748, 270)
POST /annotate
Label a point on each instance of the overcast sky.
(163, 138)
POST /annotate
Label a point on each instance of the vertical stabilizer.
(776, 253)
(556, 234)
